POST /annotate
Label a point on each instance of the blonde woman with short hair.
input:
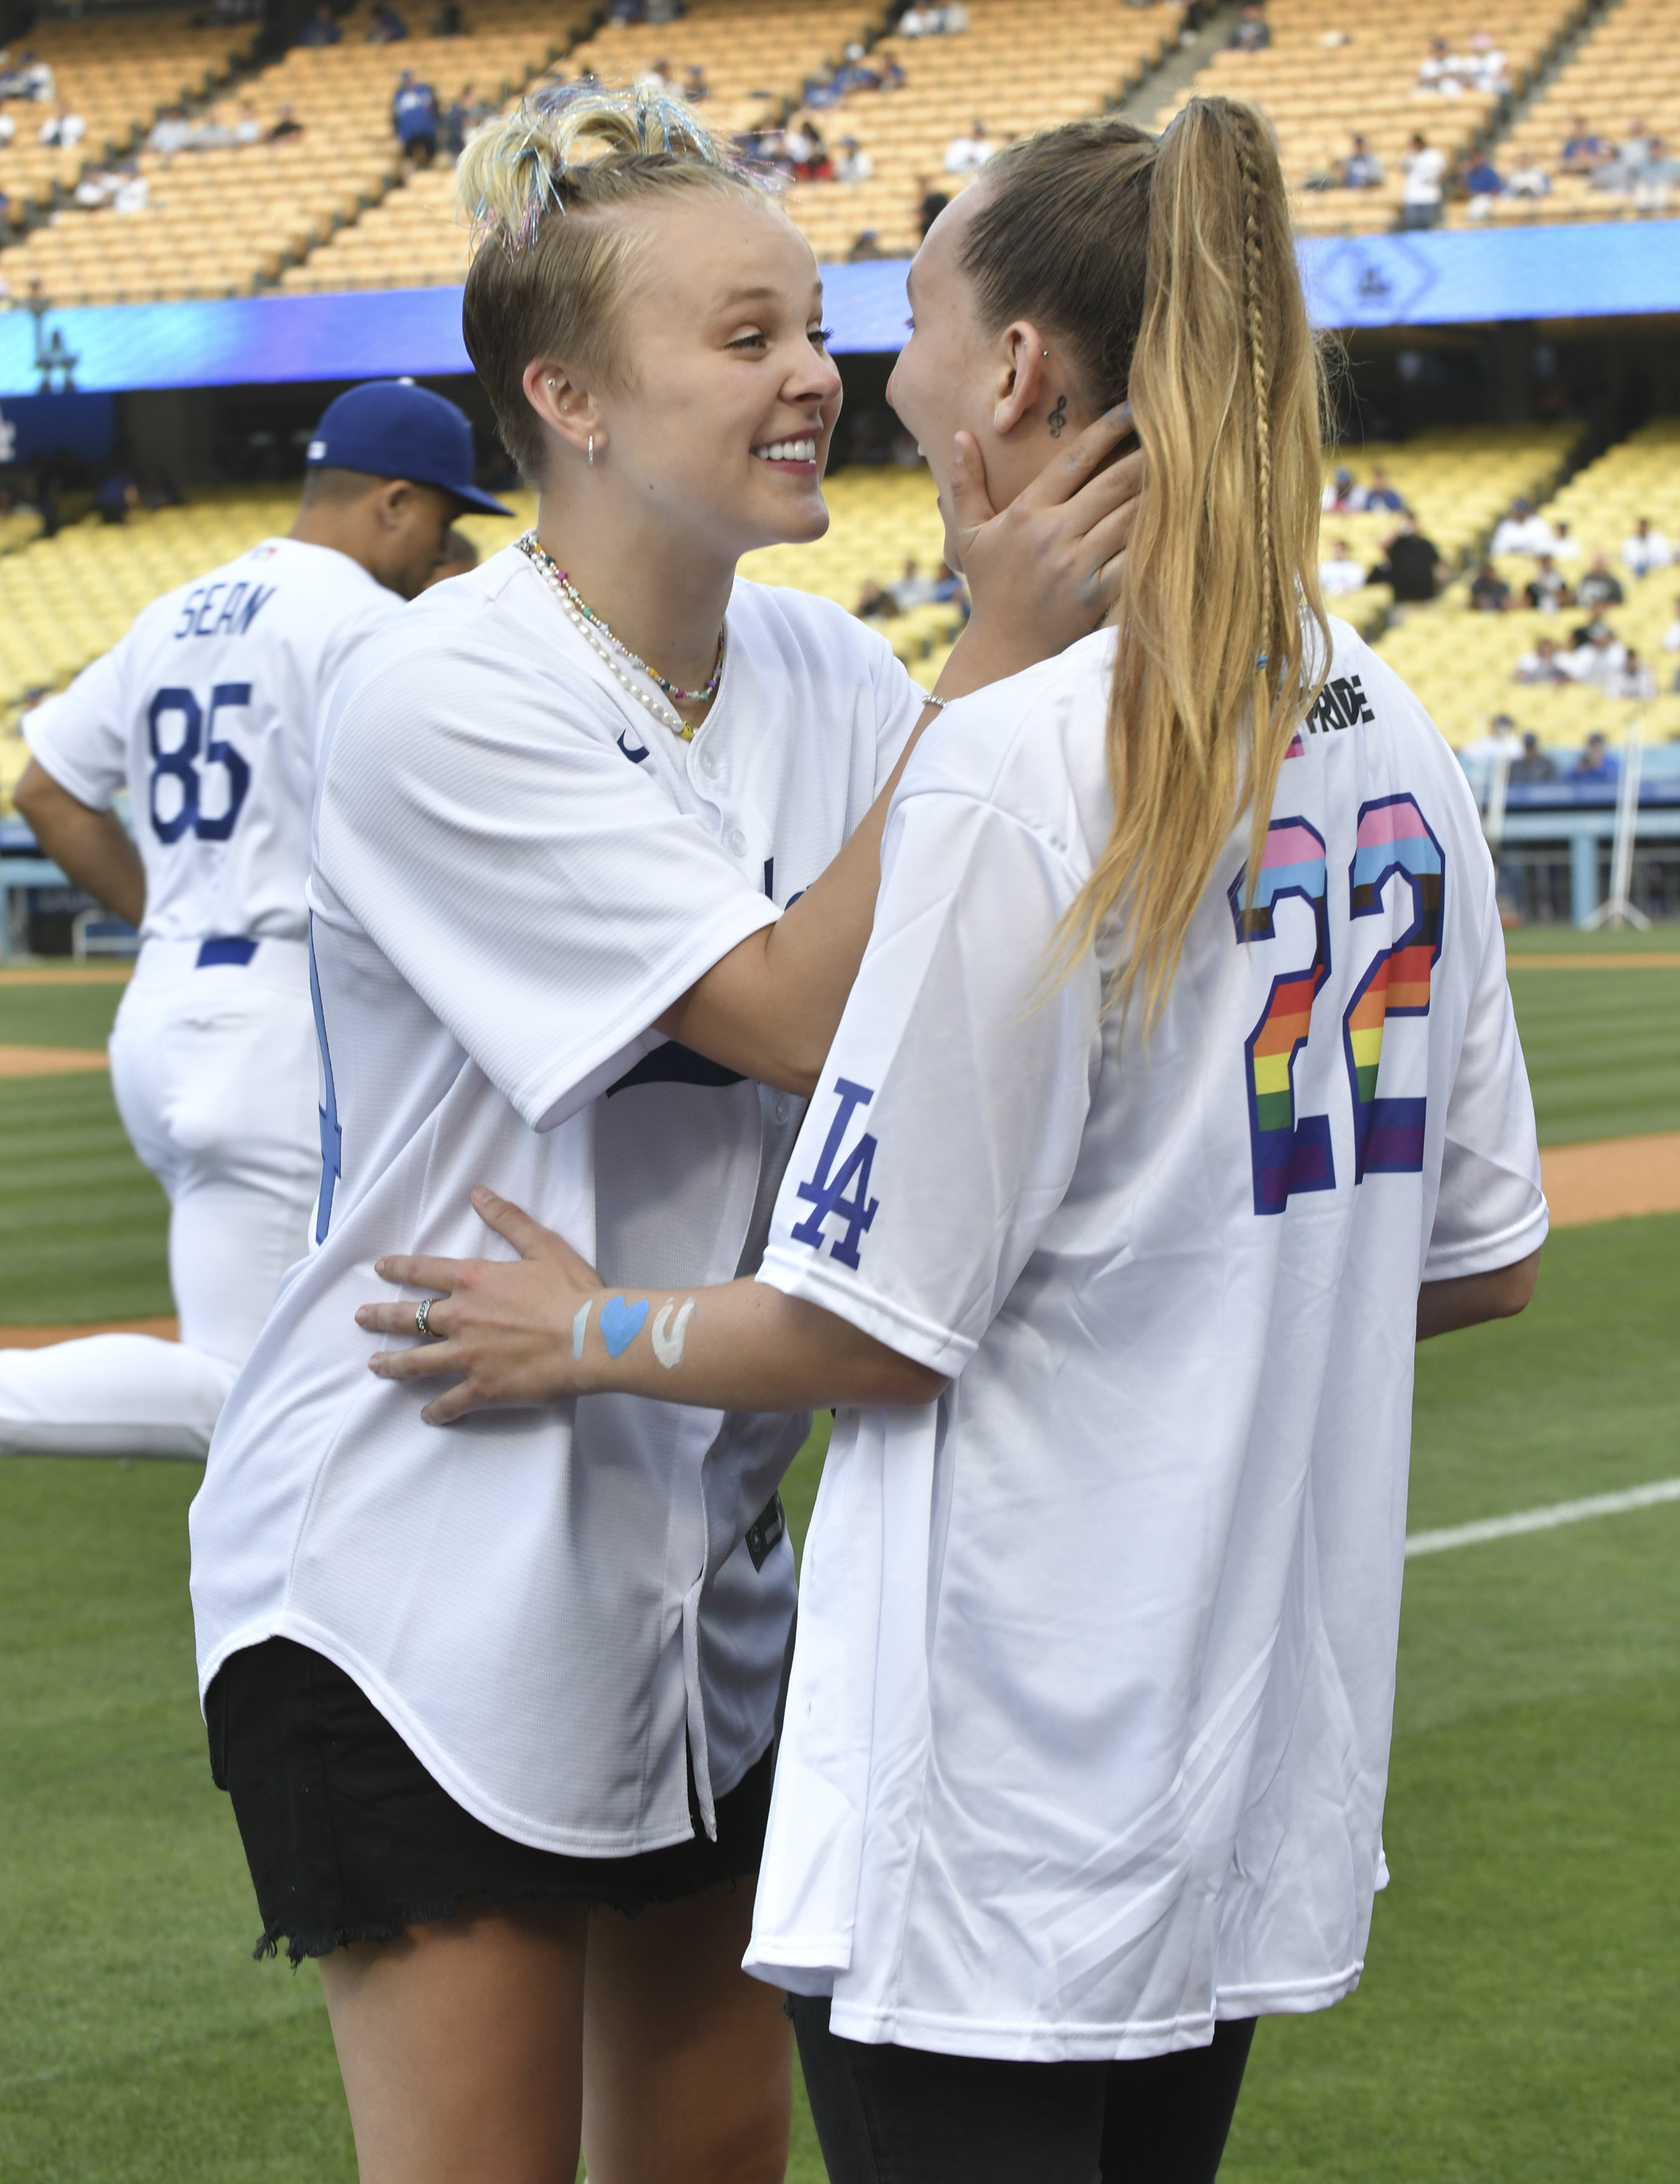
(1178, 1095)
(595, 852)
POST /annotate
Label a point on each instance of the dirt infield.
(1609, 1178)
(50, 1060)
(90, 974)
(37, 1338)
(1660, 959)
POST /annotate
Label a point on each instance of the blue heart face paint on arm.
(621, 1324)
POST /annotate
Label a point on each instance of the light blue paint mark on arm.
(621, 1323)
(578, 1326)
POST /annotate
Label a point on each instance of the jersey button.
(736, 842)
(708, 765)
(781, 1111)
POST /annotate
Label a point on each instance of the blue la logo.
(827, 1190)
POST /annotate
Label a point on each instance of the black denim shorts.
(349, 1839)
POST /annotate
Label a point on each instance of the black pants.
(901, 2115)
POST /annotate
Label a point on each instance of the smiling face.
(724, 430)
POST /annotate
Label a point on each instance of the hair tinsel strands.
(516, 171)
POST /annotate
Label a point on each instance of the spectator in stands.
(1487, 70)
(62, 130)
(1523, 531)
(1645, 550)
(1251, 33)
(933, 203)
(1342, 496)
(948, 588)
(249, 128)
(1381, 494)
(1412, 564)
(1423, 168)
(446, 24)
(320, 29)
(967, 155)
(854, 165)
(8, 128)
(913, 589)
(213, 133)
(866, 249)
(1490, 594)
(875, 602)
(1533, 766)
(1633, 680)
(95, 190)
(170, 133)
(1565, 546)
(457, 557)
(919, 22)
(414, 115)
(115, 497)
(286, 124)
(457, 123)
(1582, 149)
(1501, 741)
(1600, 587)
(133, 192)
(1651, 184)
(388, 28)
(1361, 170)
(1546, 590)
(803, 145)
(1439, 74)
(1482, 183)
(1599, 662)
(1595, 763)
(1341, 574)
(1532, 182)
(696, 90)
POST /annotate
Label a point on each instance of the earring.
(592, 451)
(552, 383)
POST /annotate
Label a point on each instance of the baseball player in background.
(207, 715)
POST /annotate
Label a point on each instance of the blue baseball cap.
(393, 429)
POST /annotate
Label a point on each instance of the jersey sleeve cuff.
(99, 795)
(803, 1275)
(547, 1099)
(1487, 1254)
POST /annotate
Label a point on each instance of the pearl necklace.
(593, 628)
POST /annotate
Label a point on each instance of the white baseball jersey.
(517, 870)
(208, 713)
(1088, 1734)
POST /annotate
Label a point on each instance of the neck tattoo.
(593, 628)
(1057, 417)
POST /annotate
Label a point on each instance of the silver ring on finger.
(422, 1319)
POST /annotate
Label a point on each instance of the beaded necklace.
(592, 628)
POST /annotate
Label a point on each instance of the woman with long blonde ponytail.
(1178, 1093)
(596, 848)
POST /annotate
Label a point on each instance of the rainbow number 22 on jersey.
(181, 736)
(1292, 1152)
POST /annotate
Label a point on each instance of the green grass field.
(1521, 2007)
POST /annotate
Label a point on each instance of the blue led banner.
(1453, 278)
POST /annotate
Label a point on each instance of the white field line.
(1542, 1520)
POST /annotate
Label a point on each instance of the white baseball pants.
(213, 1071)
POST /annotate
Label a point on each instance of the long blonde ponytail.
(1190, 288)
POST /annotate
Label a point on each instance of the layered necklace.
(595, 632)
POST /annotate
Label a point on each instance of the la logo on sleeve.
(826, 1190)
